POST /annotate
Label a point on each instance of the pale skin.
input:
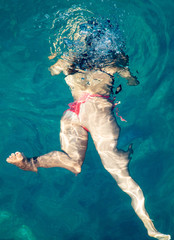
(96, 115)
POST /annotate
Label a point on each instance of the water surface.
(54, 204)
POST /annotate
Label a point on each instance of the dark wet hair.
(103, 45)
(86, 61)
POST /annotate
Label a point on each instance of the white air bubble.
(47, 16)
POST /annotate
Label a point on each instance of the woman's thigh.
(97, 116)
(104, 130)
(73, 137)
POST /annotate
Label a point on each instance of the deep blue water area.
(54, 204)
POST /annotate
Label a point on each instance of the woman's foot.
(159, 235)
(22, 162)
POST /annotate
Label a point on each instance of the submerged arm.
(125, 73)
(60, 66)
(123, 70)
(121, 67)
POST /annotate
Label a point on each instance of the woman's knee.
(115, 161)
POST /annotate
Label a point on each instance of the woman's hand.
(132, 81)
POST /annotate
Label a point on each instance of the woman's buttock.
(97, 116)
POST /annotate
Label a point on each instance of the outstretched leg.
(73, 144)
(104, 131)
(127, 184)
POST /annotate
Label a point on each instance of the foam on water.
(77, 33)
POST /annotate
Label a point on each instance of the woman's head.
(99, 44)
(87, 41)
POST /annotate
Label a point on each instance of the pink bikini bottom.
(75, 106)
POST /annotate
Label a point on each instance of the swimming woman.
(91, 80)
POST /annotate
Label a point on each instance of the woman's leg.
(105, 132)
(73, 144)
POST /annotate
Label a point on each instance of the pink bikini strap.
(75, 106)
(114, 104)
(117, 111)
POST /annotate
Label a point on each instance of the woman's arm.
(121, 67)
(125, 73)
(60, 66)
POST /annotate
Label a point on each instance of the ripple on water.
(78, 31)
(143, 25)
(147, 40)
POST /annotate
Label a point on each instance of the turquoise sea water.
(54, 204)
